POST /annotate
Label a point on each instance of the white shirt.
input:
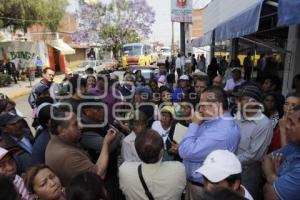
(188, 60)
(162, 132)
(178, 63)
(165, 180)
(247, 194)
(230, 84)
(128, 151)
(182, 59)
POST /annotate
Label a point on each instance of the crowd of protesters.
(212, 134)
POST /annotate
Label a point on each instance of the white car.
(163, 54)
(95, 64)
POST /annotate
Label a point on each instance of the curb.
(27, 91)
(19, 94)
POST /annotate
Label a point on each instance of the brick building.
(60, 43)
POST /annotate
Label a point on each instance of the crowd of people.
(17, 70)
(210, 133)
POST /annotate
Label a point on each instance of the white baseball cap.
(184, 77)
(219, 165)
(4, 152)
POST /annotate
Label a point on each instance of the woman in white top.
(165, 100)
(163, 126)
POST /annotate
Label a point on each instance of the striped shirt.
(22, 190)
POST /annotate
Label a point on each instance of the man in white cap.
(182, 89)
(222, 169)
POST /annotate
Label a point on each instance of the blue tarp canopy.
(288, 12)
(203, 41)
(242, 24)
(229, 19)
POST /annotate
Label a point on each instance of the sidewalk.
(23, 87)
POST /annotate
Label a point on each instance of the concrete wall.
(197, 24)
(292, 58)
(75, 59)
(67, 26)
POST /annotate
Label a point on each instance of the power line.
(28, 20)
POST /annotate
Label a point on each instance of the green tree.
(114, 24)
(22, 14)
(114, 38)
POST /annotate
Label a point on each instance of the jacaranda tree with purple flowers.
(115, 23)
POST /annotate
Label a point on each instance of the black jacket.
(22, 156)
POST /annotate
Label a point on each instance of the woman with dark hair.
(139, 79)
(42, 134)
(153, 85)
(165, 99)
(7, 191)
(43, 184)
(279, 134)
(296, 83)
(213, 69)
(273, 110)
(86, 186)
(90, 82)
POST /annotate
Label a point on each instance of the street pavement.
(24, 107)
(22, 88)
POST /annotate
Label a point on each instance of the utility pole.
(182, 38)
(172, 43)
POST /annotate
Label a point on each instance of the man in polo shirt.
(14, 136)
(282, 167)
(164, 180)
(222, 169)
(63, 153)
(256, 135)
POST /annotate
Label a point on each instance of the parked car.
(147, 71)
(163, 54)
(95, 64)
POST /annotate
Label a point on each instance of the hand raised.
(110, 135)
(197, 118)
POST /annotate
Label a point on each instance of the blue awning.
(241, 24)
(288, 12)
(203, 41)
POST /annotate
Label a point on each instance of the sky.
(162, 28)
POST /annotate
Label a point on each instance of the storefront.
(57, 49)
(258, 26)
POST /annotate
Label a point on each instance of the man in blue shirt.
(282, 167)
(39, 65)
(211, 129)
